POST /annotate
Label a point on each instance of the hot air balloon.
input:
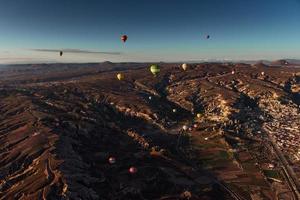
(150, 97)
(262, 73)
(124, 38)
(185, 127)
(154, 69)
(184, 66)
(199, 115)
(174, 110)
(112, 160)
(60, 53)
(208, 36)
(233, 72)
(120, 76)
(132, 170)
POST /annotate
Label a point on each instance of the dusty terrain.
(60, 123)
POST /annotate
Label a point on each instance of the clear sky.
(158, 30)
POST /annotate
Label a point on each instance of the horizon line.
(190, 61)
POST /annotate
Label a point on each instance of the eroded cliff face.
(57, 136)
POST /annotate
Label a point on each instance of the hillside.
(61, 123)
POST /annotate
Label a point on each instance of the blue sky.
(158, 30)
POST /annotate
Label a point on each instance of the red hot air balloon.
(132, 170)
(124, 38)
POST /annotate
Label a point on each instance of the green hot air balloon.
(154, 69)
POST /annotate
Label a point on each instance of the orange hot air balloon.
(124, 38)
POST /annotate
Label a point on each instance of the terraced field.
(59, 125)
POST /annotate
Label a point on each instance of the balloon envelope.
(124, 38)
(61, 53)
(155, 69)
(112, 160)
(184, 66)
(132, 170)
(120, 76)
(185, 127)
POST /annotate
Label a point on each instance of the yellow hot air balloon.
(155, 69)
(120, 76)
(184, 66)
(199, 115)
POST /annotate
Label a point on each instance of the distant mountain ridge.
(114, 64)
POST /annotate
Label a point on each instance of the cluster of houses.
(285, 127)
